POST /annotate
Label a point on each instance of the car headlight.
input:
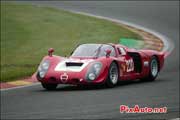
(94, 71)
(97, 68)
(43, 68)
(42, 73)
(45, 65)
(91, 76)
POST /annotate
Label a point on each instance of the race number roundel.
(130, 65)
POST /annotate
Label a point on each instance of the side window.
(104, 48)
(121, 51)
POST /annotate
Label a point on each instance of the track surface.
(72, 102)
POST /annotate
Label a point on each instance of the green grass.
(27, 31)
(132, 43)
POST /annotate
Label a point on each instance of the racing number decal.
(130, 65)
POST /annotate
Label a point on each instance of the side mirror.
(50, 51)
(108, 52)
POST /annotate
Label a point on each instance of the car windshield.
(92, 50)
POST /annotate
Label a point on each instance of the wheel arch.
(157, 58)
(109, 82)
(116, 62)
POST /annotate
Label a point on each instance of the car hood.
(72, 64)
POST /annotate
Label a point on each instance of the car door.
(127, 64)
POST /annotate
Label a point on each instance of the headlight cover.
(43, 68)
(94, 71)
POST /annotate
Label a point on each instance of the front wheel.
(113, 75)
(153, 70)
(49, 86)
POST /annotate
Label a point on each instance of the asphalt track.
(95, 103)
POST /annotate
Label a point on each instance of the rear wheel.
(113, 75)
(153, 70)
(49, 86)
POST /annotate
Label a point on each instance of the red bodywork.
(125, 58)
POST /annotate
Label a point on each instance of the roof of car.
(112, 44)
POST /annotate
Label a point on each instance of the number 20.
(130, 65)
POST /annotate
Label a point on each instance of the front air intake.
(73, 64)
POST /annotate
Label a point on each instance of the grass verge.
(27, 31)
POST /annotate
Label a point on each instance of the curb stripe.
(17, 87)
(19, 82)
(6, 85)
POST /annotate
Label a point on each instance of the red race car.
(99, 64)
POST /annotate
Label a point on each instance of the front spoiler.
(70, 78)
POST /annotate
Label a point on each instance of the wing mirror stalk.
(108, 52)
(50, 52)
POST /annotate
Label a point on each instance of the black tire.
(152, 73)
(49, 86)
(110, 81)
